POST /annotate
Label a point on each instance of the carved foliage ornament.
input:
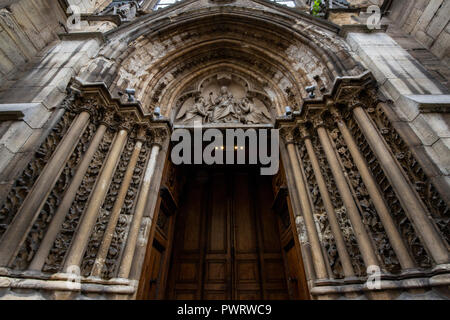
(70, 107)
(403, 223)
(289, 134)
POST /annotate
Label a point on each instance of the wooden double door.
(227, 242)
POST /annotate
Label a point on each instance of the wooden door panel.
(156, 269)
(278, 295)
(212, 295)
(295, 274)
(274, 270)
(244, 228)
(193, 216)
(218, 255)
(270, 233)
(218, 239)
(185, 295)
(216, 271)
(187, 272)
(153, 270)
(248, 295)
(228, 241)
(247, 271)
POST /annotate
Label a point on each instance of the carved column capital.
(69, 102)
(141, 133)
(289, 134)
(336, 115)
(126, 123)
(318, 122)
(355, 102)
(159, 135)
(304, 131)
(372, 97)
(108, 119)
(89, 105)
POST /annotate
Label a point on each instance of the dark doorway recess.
(230, 238)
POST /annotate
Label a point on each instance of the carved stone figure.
(198, 112)
(251, 114)
(127, 10)
(224, 108)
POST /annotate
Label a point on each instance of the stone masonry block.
(5, 157)
(34, 114)
(424, 131)
(16, 136)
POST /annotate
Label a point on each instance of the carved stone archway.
(363, 194)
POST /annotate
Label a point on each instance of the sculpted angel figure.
(199, 111)
(251, 114)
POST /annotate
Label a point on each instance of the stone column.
(305, 246)
(363, 239)
(328, 204)
(32, 205)
(392, 232)
(128, 255)
(46, 245)
(118, 205)
(81, 238)
(307, 211)
(408, 197)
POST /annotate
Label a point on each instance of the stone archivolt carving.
(222, 105)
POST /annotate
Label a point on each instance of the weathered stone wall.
(427, 21)
(437, 68)
(35, 68)
(89, 6)
(26, 28)
(33, 99)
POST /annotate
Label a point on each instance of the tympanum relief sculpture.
(222, 104)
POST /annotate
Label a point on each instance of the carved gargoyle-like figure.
(127, 10)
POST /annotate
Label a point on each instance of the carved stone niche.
(223, 99)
